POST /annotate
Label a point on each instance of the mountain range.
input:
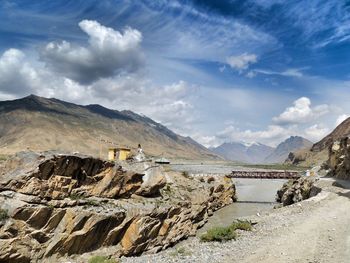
(39, 124)
(260, 153)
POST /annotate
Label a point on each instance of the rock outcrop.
(339, 159)
(68, 205)
(296, 190)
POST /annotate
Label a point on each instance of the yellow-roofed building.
(118, 153)
(123, 153)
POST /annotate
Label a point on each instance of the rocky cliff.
(67, 205)
(339, 159)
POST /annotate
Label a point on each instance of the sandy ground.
(315, 230)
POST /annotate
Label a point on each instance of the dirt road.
(321, 234)
(313, 231)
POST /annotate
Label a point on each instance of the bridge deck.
(265, 174)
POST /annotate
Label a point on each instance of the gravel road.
(313, 231)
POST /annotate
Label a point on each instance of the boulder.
(153, 181)
(296, 190)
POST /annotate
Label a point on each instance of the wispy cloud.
(291, 72)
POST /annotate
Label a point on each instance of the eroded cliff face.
(69, 205)
(339, 159)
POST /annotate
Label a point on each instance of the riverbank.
(314, 230)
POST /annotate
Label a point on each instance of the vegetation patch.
(242, 225)
(3, 214)
(75, 196)
(102, 259)
(221, 234)
(3, 157)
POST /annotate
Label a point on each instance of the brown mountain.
(293, 143)
(318, 153)
(339, 132)
(38, 123)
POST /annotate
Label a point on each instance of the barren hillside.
(38, 123)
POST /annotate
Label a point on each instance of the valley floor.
(315, 230)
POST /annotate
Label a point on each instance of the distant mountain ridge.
(260, 153)
(39, 124)
(293, 143)
(243, 152)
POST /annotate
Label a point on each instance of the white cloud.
(109, 53)
(341, 118)
(16, 75)
(301, 112)
(251, 74)
(316, 132)
(242, 61)
(273, 135)
(291, 72)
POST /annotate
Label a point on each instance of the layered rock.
(69, 205)
(339, 159)
(296, 190)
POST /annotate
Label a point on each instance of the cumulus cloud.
(241, 62)
(17, 76)
(109, 52)
(301, 112)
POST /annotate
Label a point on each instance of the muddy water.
(254, 195)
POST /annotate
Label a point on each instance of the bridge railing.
(265, 174)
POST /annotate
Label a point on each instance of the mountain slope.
(293, 143)
(339, 132)
(319, 151)
(248, 153)
(38, 123)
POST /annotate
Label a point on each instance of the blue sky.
(215, 70)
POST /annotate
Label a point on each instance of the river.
(254, 195)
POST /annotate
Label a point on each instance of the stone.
(296, 190)
(153, 181)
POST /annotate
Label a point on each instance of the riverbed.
(255, 196)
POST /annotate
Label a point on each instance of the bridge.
(265, 174)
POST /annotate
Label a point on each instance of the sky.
(218, 71)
